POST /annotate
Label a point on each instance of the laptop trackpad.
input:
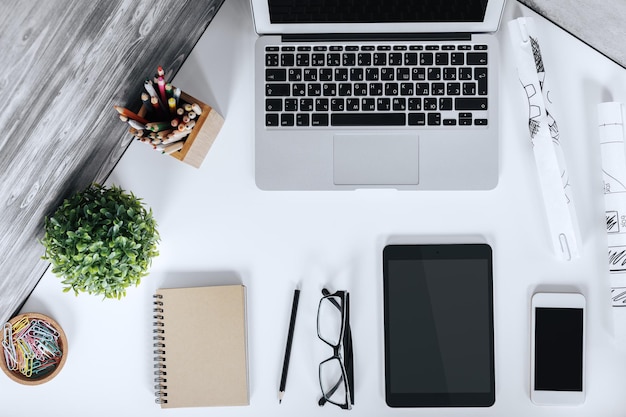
(376, 159)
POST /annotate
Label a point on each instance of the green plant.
(101, 241)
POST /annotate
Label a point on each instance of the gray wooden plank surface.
(599, 23)
(65, 63)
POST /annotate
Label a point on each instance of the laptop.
(376, 93)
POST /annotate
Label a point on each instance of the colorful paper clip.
(31, 347)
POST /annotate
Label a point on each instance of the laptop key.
(480, 74)
(286, 119)
(469, 89)
(399, 104)
(314, 89)
(321, 104)
(318, 60)
(310, 74)
(415, 104)
(302, 119)
(449, 73)
(333, 60)
(364, 59)
(275, 74)
(295, 74)
(319, 119)
(457, 58)
(383, 104)
(329, 89)
(454, 89)
(371, 74)
(410, 58)
(352, 104)
(438, 89)
(380, 59)
(441, 58)
(470, 103)
(434, 119)
(271, 60)
(476, 58)
(356, 74)
(395, 58)
(403, 74)
(368, 104)
(341, 74)
(273, 89)
(349, 59)
(274, 104)
(434, 73)
(345, 89)
(426, 58)
(271, 119)
(299, 90)
(360, 89)
(445, 103)
(430, 104)
(291, 104)
(287, 60)
(337, 104)
(417, 119)
(406, 89)
(302, 60)
(418, 74)
(422, 89)
(306, 104)
(368, 119)
(376, 89)
(388, 74)
(326, 74)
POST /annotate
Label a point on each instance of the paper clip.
(11, 360)
(26, 349)
(51, 329)
(31, 347)
(27, 367)
(20, 325)
(7, 333)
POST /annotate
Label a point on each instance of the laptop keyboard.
(376, 85)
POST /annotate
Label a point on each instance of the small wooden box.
(202, 136)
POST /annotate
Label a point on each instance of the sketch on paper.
(612, 151)
(546, 140)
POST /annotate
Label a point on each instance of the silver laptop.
(376, 93)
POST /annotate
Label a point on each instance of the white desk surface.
(217, 227)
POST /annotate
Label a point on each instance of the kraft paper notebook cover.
(200, 342)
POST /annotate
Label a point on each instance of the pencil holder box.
(199, 141)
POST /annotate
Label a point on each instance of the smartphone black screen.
(558, 349)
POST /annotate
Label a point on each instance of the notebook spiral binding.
(160, 372)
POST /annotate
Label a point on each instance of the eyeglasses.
(336, 374)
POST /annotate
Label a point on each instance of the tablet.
(439, 349)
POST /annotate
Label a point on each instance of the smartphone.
(557, 347)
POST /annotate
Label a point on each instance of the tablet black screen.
(438, 325)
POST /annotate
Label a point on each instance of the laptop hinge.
(330, 37)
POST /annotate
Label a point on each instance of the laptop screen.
(376, 11)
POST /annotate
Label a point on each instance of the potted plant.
(101, 241)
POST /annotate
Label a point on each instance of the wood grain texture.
(65, 63)
(598, 23)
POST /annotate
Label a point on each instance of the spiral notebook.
(200, 342)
